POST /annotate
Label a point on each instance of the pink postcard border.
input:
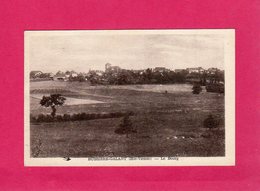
(18, 16)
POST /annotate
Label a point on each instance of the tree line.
(149, 76)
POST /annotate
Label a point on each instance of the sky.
(84, 51)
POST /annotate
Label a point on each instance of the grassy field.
(167, 124)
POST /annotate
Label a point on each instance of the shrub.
(196, 89)
(75, 117)
(83, 116)
(44, 118)
(87, 117)
(119, 114)
(66, 117)
(59, 118)
(125, 127)
(216, 88)
(48, 118)
(41, 118)
(33, 118)
(130, 113)
(98, 115)
(103, 115)
(92, 116)
(112, 115)
(210, 122)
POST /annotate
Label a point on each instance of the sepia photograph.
(129, 97)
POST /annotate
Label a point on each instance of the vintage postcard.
(129, 98)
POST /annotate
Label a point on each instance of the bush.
(98, 115)
(216, 88)
(33, 119)
(49, 118)
(92, 116)
(104, 115)
(66, 117)
(44, 118)
(82, 116)
(117, 114)
(210, 122)
(59, 118)
(125, 127)
(41, 118)
(196, 89)
(130, 113)
(75, 117)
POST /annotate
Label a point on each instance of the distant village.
(114, 75)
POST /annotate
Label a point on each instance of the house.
(140, 72)
(212, 71)
(60, 77)
(195, 70)
(110, 68)
(69, 74)
(193, 77)
(50, 75)
(35, 74)
(107, 66)
(98, 72)
(179, 70)
(160, 69)
(74, 74)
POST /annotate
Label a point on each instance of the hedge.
(76, 117)
(216, 88)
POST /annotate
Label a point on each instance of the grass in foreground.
(167, 125)
(96, 138)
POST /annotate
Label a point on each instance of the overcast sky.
(81, 52)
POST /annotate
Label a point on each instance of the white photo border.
(229, 67)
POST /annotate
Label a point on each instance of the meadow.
(167, 124)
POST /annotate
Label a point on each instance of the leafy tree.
(79, 78)
(59, 73)
(196, 89)
(217, 88)
(181, 77)
(203, 78)
(147, 75)
(122, 78)
(93, 77)
(67, 72)
(52, 101)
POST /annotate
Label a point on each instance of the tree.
(196, 89)
(122, 78)
(125, 127)
(79, 78)
(203, 78)
(147, 75)
(210, 122)
(93, 77)
(59, 73)
(52, 101)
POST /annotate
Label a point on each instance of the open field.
(167, 124)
